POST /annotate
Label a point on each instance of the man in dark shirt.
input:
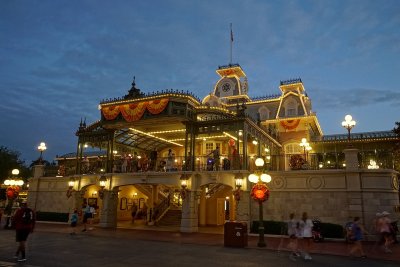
(24, 221)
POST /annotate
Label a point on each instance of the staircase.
(171, 218)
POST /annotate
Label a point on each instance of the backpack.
(27, 216)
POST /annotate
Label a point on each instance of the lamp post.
(348, 123)
(42, 147)
(14, 185)
(260, 193)
(306, 147)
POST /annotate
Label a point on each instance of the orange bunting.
(157, 106)
(134, 111)
(111, 112)
(290, 124)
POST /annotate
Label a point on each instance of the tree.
(10, 160)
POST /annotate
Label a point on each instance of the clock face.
(226, 87)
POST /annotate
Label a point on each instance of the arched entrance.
(217, 205)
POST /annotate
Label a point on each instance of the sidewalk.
(338, 248)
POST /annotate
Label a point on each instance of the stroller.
(317, 231)
(210, 164)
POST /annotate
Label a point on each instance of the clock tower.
(232, 84)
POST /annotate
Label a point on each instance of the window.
(264, 113)
(293, 148)
(209, 148)
(291, 108)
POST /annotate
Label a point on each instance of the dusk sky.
(59, 59)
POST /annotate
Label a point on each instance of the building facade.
(169, 150)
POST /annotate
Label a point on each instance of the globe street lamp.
(14, 185)
(348, 123)
(306, 147)
(260, 193)
(42, 147)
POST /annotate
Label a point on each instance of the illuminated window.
(209, 147)
(293, 148)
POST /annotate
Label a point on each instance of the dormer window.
(291, 108)
(264, 113)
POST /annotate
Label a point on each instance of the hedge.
(329, 230)
(52, 216)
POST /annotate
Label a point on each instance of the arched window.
(264, 113)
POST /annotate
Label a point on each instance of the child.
(74, 221)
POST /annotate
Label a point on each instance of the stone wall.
(332, 196)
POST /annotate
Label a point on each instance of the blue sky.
(58, 59)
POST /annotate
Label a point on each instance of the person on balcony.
(144, 163)
(134, 162)
(124, 163)
(86, 164)
(170, 160)
(216, 158)
(153, 160)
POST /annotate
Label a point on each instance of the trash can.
(235, 234)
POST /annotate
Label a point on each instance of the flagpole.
(231, 42)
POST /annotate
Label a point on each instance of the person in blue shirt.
(358, 231)
(74, 221)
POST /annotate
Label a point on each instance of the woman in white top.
(293, 233)
(306, 226)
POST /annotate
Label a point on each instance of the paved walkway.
(52, 245)
(214, 236)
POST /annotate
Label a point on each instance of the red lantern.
(260, 192)
(12, 192)
(231, 142)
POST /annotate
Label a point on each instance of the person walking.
(86, 215)
(74, 221)
(357, 230)
(306, 232)
(293, 233)
(24, 220)
(134, 212)
(384, 228)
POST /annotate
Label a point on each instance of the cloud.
(353, 97)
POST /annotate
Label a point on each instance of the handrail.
(161, 208)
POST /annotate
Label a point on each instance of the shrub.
(329, 230)
(52, 216)
(270, 227)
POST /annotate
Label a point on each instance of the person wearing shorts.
(23, 227)
(306, 228)
(86, 216)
